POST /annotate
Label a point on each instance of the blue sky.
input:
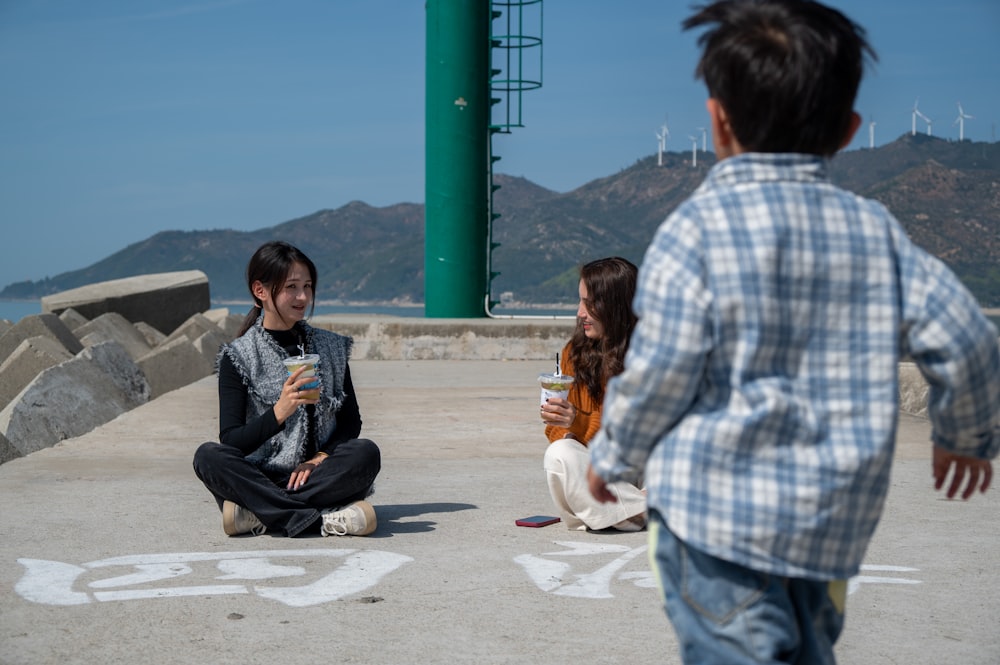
(122, 118)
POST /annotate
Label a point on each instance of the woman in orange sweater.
(595, 353)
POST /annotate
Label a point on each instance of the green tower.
(461, 81)
(457, 172)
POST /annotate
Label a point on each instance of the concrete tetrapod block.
(47, 325)
(72, 318)
(232, 325)
(7, 450)
(209, 344)
(174, 365)
(216, 314)
(5, 325)
(194, 327)
(114, 326)
(31, 357)
(163, 300)
(226, 321)
(64, 401)
(112, 357)
(153, 336)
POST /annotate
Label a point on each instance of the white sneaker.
(236, 520)
(356, 519)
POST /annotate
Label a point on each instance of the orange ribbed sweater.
(588, 412)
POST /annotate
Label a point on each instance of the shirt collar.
(769, 166)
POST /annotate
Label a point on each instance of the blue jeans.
(727, 614)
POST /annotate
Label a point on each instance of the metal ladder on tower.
(513, 71)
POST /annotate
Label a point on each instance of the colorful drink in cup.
(555, 385)
(310, 360)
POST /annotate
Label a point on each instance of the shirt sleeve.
(348, 417)
(666, 358)
(234, 428)
(955, 347)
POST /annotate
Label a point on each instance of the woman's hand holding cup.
(292, 395)
(558, 411)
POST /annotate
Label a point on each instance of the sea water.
(15, 310)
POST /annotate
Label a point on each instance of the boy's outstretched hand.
(970, 470)
(599, 488)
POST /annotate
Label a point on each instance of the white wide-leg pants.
(565, 464)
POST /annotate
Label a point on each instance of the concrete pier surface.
(113, 551)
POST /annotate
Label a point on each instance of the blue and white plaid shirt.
(760, 395)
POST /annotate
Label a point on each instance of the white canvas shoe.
(356, 519)
(236, 520)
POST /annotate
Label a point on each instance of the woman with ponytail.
(288, 462)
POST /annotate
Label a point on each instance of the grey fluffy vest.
(257, 358)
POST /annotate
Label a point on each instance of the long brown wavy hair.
(610, 286)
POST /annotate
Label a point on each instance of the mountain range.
(946, 194)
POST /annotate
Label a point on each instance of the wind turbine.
(704, 144)
(917, 114)
(924, 118)
(694, 150)
(871, 134)
(661, 137)
(960, 121)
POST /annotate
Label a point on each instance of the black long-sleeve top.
(248, 435)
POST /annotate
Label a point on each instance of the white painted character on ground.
(152, 576)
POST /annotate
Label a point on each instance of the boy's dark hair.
(786, 72)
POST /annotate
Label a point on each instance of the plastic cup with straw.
(309, 360)
(556, 384)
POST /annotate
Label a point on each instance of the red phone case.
(537, 520)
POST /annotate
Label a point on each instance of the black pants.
(345, 476)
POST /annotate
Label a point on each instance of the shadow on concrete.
(389, 516)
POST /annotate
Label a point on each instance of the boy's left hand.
(971, 470)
